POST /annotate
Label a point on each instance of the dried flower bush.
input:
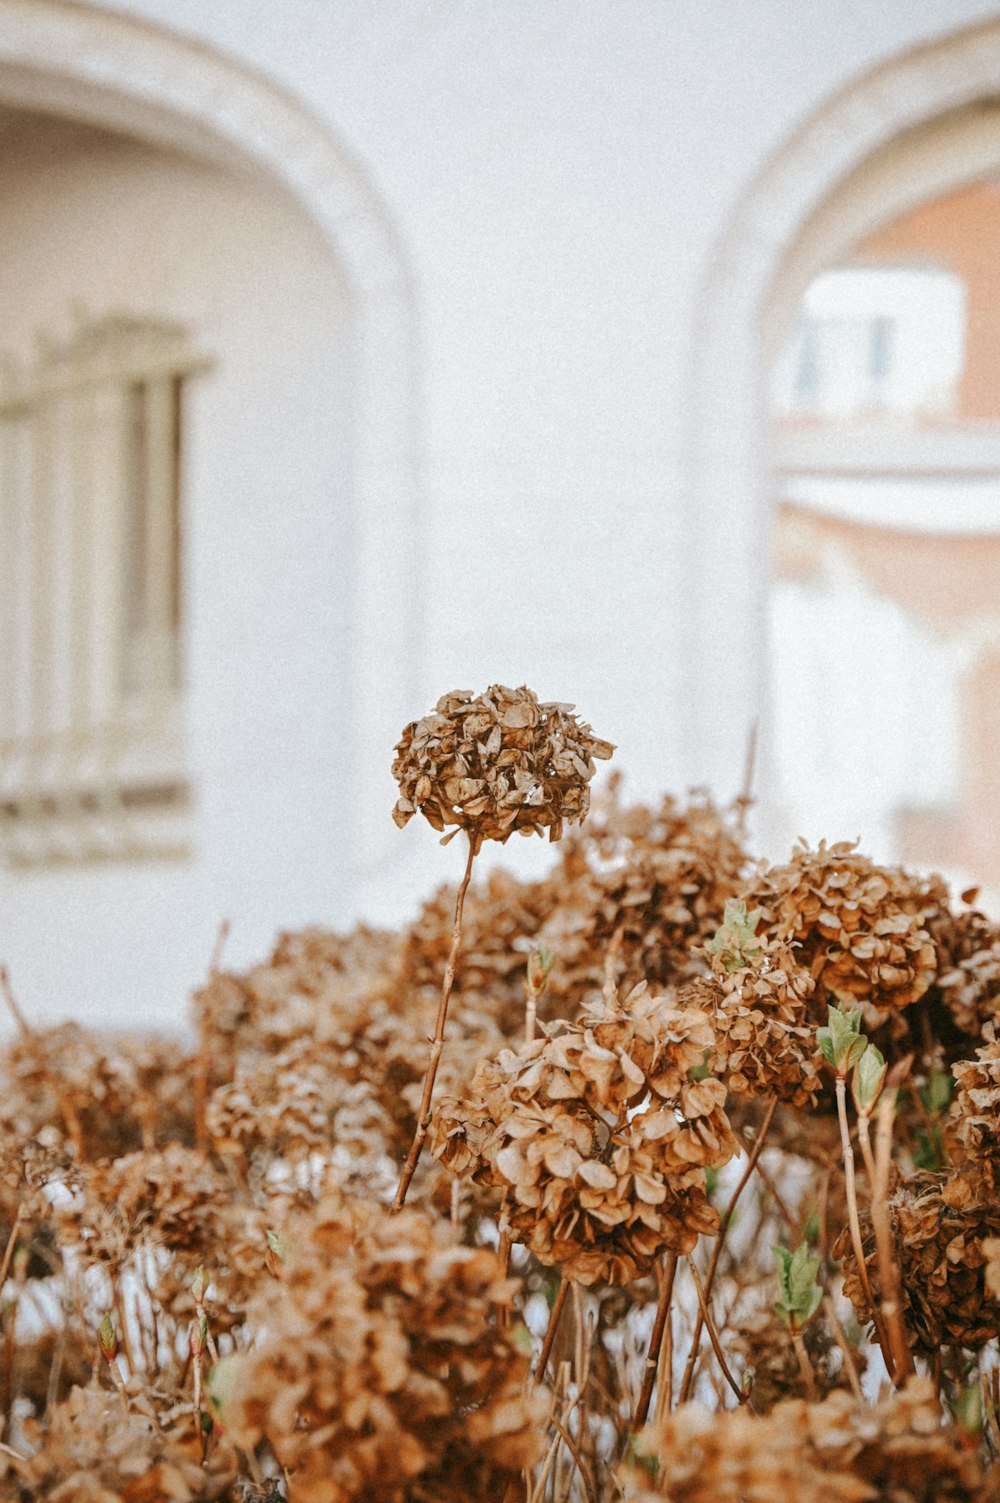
(661, 1066)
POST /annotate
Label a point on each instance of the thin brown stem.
(865, 1144)
(437, 1043)
(203, 1061)
(724, 1225)
(656, 1342)
(850, 1361)
(888, 1269)
(11, 1243)
(805, 1366)
(990, 1412)
(550, 1330)
(713, 1335)
(745, 798)
(854, 1221)
(610, 987)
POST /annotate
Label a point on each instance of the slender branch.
(713, 1335)
(550, 1330)
(437, 1043)
(655, 1342)
(724, 1226)
(865, 1142)
(850, 1361)
(11, 1242)
(805, 1366)
(854, 1222)
(203, 1062)
(990, 1412)
(888, 1269)
(745, 797)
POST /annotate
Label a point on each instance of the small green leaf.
(937, 1093)
(521, 1337)
(735, 942)
(221, 1382)
(842, 1041)
(929, 1152)
(810, 1231)
(801, 1295)
(867, 1080)
(969, 1409)
(642, 1459)
(107, 1339)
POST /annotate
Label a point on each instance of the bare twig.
(989, 1410)
(854, 1222)
(203, 1062)
(11, 1243)
(713, 1335)
(745, 797)
(805, 1366)
(850, 1362)
(888, 1270)
(656, 1342)
(437, 1043)
(550, 1330)
(724, 1225)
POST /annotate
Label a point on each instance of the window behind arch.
(92, 435)
(875, 342)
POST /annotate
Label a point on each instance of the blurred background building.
(644, 353)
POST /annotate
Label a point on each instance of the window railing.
(91, 681)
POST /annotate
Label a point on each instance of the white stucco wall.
(560, 180)
(266, 553)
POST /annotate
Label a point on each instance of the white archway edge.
(112, 70)
(911, 129)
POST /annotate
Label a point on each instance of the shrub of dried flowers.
(661, 1066)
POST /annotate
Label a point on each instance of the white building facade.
(357, 353)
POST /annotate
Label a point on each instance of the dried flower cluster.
(385, 1372)
(860, 929)
(940, 1223)
(835, 1452)
(765, 1037)
(497, 762)
(599, 1136)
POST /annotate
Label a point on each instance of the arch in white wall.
(115, 71)
(908, 131)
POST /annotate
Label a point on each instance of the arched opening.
(153, 191)
(917, 128)
(100, 68)
(885, 618)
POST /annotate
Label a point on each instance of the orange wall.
(960, 231)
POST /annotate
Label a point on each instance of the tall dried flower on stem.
(489, 765)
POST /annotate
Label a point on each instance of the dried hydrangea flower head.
(837, 1451)
(383, 1372)
(650, 881)
(859, 928)
(600, 1137)
(758, 998)
(977, 1105)
(968, 967)
(940, 1223)
(496, 762)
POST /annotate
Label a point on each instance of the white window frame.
(91, 696)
